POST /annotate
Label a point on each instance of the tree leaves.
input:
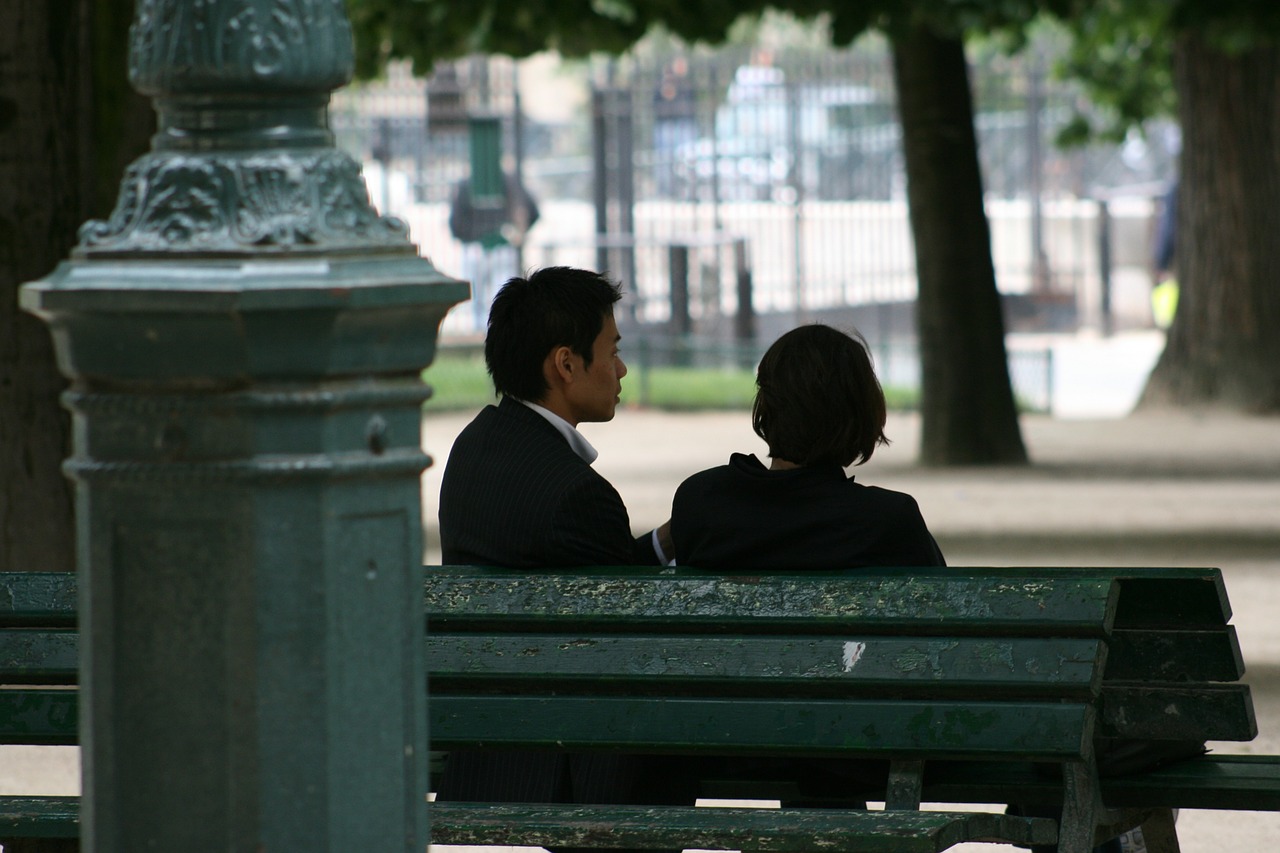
(427, 31)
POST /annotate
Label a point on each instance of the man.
(519, 491)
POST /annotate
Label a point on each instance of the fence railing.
(794, 157)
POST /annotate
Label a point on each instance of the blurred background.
(737, 191)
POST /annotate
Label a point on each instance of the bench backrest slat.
(793, 602)
(1178, 712)
(34, 656)
(769, 665)
(1182, 597)
(1175, 655)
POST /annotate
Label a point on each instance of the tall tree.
(67, 124)
(969, 414)
(1217, 64)
(1222, 348)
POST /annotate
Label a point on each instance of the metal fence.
(682, 171)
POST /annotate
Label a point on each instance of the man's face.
(594, 398)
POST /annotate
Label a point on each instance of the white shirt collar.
(577, 441)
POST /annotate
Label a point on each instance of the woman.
(820, 409)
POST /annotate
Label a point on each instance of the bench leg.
(1082, 807)
(906, 781)
(1160, 832)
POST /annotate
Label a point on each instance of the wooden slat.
(764, 830)
(38, 716)
(1186, 601)
(1178, 712)
(1178, 596)
(29, 656)
(32, 656)
(39, 817)
(1235, 782)
(758, 726)
(1067, 667)
(793, 602)
(41, 598)
(1175, 655)
(1232, 782)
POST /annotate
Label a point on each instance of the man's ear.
(563, 364)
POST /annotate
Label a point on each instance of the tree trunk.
(58, 166)
(1223, 349)
(968, 413)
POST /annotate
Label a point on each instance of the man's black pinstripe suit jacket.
(515, 494)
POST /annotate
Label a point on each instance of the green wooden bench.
(959, 679)
(695, 662)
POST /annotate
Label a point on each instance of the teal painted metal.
(940, 696)
(39, 716)
(1213, 781)
(1177, 655)
(45, 599)
(796, 666)
(779, 831)
(38, 657)
(849, 728)
(39, 817)
(245, 334)
(1178, 712)
(485, 146)
(940, 604)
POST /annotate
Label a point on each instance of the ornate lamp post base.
(245, 336)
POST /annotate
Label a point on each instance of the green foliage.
(458, 381)
(1231, 26)
(1123, 53)
(430, 30)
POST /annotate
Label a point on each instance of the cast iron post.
(245, 336)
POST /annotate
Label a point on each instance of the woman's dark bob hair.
(818, 401)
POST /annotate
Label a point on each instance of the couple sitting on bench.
(519, 491)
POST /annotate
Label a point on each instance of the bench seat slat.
(39, 817)
(38, 716)
(1213, 781)
(800, 602)
(779, 726)
(764, 830)
(776, 663)
(1177, 712)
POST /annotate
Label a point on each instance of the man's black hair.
(553, 307)
(817, 398)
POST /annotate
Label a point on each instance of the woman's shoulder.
(739, 465)
(888, 499)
